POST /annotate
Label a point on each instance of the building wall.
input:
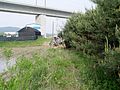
(26, 32)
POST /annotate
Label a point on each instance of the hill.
(9, 29)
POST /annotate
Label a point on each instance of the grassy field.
(37, 42)
(53, 69)
(50, 70)
(57, 69)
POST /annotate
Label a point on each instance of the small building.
(10, 34)
(28, 33)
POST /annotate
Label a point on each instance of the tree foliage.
(97, 33)
(88, 32)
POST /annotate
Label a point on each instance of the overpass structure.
(40, 12)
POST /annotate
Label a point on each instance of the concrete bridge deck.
(34, 10)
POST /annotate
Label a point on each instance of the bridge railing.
(26, 2)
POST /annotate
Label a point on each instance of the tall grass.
(95, 75)
(7, 53)
(51, 71)
(58, 69)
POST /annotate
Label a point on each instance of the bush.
(81, 33)
(95, 75)
(112, 64)
(87, 32)
(96, 33)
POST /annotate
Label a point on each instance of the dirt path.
(29, 51)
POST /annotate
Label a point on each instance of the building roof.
(28, 29)
(34, 25)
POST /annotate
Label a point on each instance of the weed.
(55, 72)
(7, 53)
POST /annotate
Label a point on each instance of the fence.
(24, 38)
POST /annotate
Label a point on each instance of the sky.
(20, 20)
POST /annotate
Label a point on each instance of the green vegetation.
(96, 34)
(7, 53)
(92, 63)
(52, 71)
(88, 32)
(37, 42)
(59, 69)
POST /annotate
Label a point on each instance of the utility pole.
(52, 29)
(45, 3)
(36, 2)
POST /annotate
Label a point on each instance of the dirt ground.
(27, 51)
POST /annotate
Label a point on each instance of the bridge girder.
(34, 10)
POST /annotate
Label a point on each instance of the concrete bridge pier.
(41, 19)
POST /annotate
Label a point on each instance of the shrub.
(81, 33)
(96, 33)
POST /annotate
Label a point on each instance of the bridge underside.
(40, 12)
(34, 10)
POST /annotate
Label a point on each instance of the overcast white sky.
(20, 20)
